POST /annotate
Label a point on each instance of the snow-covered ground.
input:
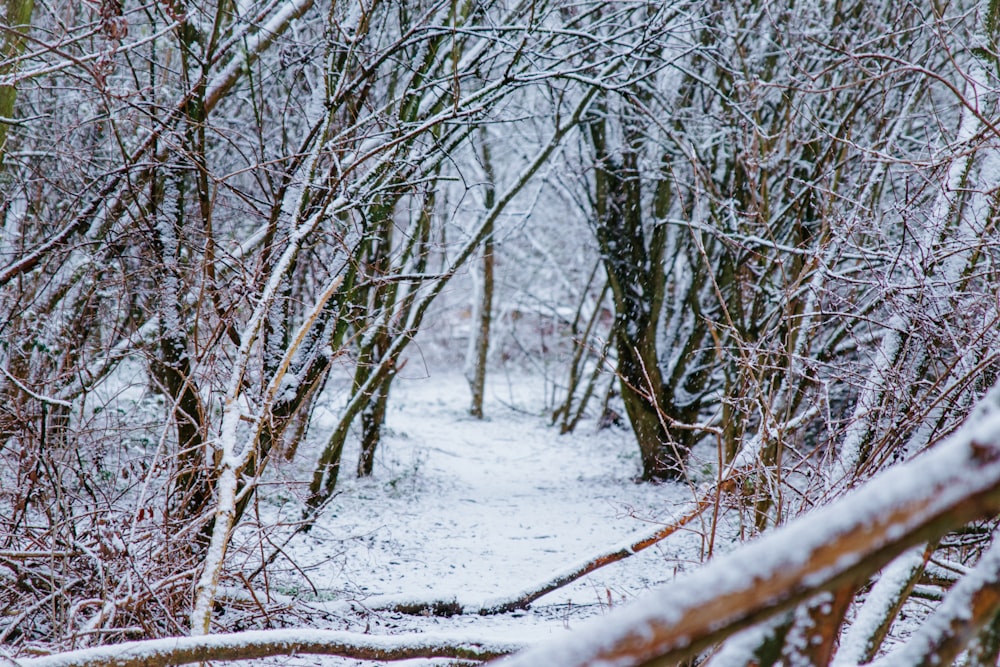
(467, 511)
(473, 510)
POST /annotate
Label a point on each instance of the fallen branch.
(524, 598)
(269, 643)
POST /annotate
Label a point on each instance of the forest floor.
(472, 510)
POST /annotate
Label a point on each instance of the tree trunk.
(18, 18)
(372, 420)
(641, 382)
(635, 273)
(484, 309)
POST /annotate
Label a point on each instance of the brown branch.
(269, 643)
(813, 638)
(524, 599)
(969, 607)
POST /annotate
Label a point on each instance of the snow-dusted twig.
(111, 199)
(40, 397)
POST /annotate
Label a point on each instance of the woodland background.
(762, 236)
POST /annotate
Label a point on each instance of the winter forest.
(547, 332)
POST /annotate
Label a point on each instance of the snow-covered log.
(267, 643)
(865, 635)
(967, 608)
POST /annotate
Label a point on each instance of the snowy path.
(473, 510)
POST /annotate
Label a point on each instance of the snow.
(476, 512)
(958, 605)
(865, 409)
(471, 511)
(253, 46)
(506, 489)
(738, 651)
(895, 579)
(458, 508)
(284, 642)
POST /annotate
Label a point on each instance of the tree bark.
(633, 266)
(484, 309)
(372, 420)
(18, 18)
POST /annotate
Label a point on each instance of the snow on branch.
(110, 201)
(967, 608)
(268, 643)
(842, 543)
(866, 633)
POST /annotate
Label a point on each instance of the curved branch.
(524, 598)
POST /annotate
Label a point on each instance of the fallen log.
(269, 643)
